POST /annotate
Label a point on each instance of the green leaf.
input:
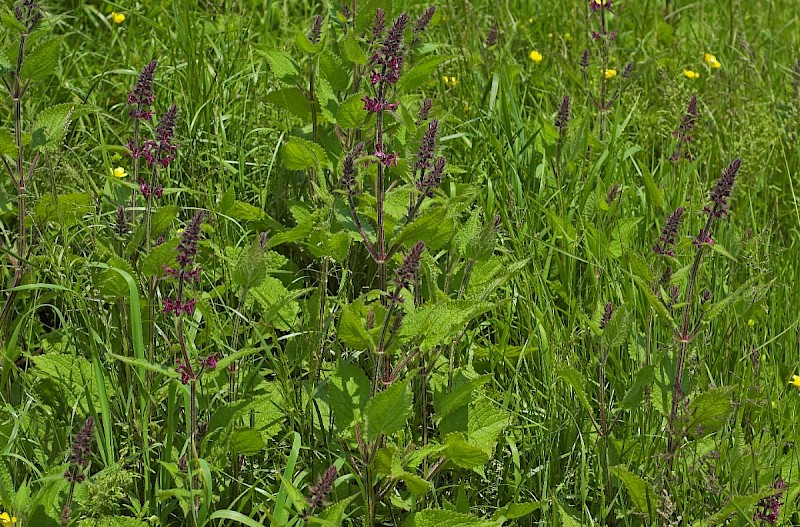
(293, 493)
(741, 504)
(7, 144)
(348, 393)
(64, 210)
(281, 64)
(352, 327)
(353, 51)
(654, 194)
(159, 256)
(119, 521)
(485, 423)
(110, 283)
(447, 403)
(514, 511)
(292, 100)
(463, 454)
(616, 332)
(162, 219)
(577, 381)
(251, 268)
(41, 62)
(299, 154)
(7, 492)
(51, 125)
(447, 518)
(635, 394)
(657, 305)
(246, 441)
(421, 72)
(334, 71)
(351, 113)
(145, 364)
(439, 323)
(333, 515)
(416, 485)
(641, 492)
(710, 411)
(278, 303)
(388, 411)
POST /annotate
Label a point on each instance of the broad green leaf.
(616, 332)
(119, 521)
(281, 64)
(388, 411)
(348, 393)
(439, 323)
(333, 515)
(246, 441)
(514, 511)
(278, 303)
(635, 394)
(159, 256)
(463, 454)
(293, 493)
(654, 194)
(446, 403)
(740, 504)
(447, 518)
(352, 327)
(7, 144)
(416, 485)
(486, 421)
(64, 210)
(421, 72)
(641, 492)
(351, 113)
(51, 125)
(110, 283)
(162, 219)
(352, 50)
(292, 100)
(710, 411)
(41, 62)
(299, 154)
(334, 71)
(657, 305)
(251, 268)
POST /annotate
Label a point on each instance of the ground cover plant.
(399, 263)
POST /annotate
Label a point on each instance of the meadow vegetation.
(382, 262)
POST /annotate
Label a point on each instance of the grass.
(85, 335)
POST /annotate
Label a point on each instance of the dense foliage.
(390, 263)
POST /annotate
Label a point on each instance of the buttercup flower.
(689, 74)
(119, 172)
(117, 18)
(450, 82)
(795, 381)
(6, 520)
(712, 61)
(535, 56)
(610, 74)
(596, 5)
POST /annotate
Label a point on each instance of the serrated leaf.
(246, 441)
(447, 518)
(278, 303)
(292, 100)
(7, 145)
(64, 210)
(635, 394)
(110, 283)
(616, 332)
(640, 491)
(334, 71)
(348, 393)
(119, 521)
(51, 125)
(657, 305)
(159, 256)
(352, 327)
(654, 194)
(251, 268)
(352, 50)
(436, 324)
(709, 411)
(351, 113)
(514, 511)
(485, 422)
(421, 72)
(41, 62)
(281, 64)
(388, 411)
(463, 454)
(461, 395)
(299, 154)
(415, 484)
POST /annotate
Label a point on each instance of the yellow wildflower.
(117, 18)
(119, 172)
(795, 381)
(450, 82)
(610, 74)
(567, 36)
(712, 61)
(689, 74)
(6, 520)
(536, 56)
(751, 322)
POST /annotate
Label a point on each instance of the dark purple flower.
(722, 190)
(433, 179)
(491, 38)
(82, 444)
(684, 131)
(585, 60)
(318, 494)
(424, 111)
(427, 147)
(669, 234)
(608, 310)
(769, 508)
(209, 362)
(121, 226)
(408, 269)
(185, 371)
(388, 160)
(142, 97)
(373, 104)
(424, 19)
(316, 30)
(348, 178)
(562, 117)
(378, 25)
(703, 238)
